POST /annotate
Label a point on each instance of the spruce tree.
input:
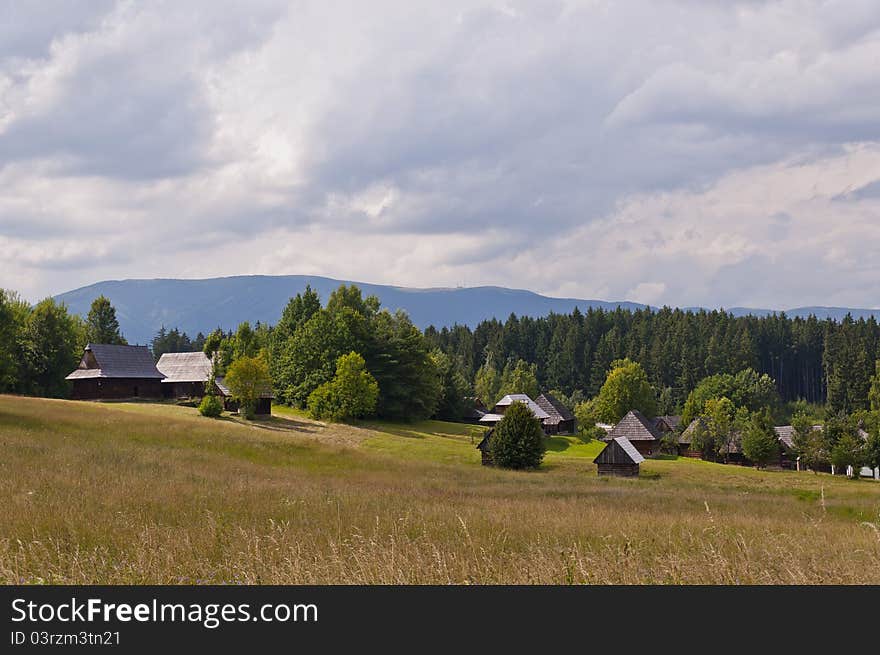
(101, 323)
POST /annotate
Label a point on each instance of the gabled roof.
(672, 422)
(224, 390)
(688, 435)
(557, 412)
(102, 360)
(619, 451)
(511, 398)
(785, 433)
(635, 427)
(185, 367)
(484, 442)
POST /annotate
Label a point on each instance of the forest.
(818, 362)
(811, 360)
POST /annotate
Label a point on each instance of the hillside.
(143, 306)
(121, 493)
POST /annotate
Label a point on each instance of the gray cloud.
(663, 151)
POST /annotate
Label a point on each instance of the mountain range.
(143, 306)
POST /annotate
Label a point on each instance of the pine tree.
(101, 323)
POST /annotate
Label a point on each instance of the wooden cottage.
(560, 420)
(483, 447)
(639, 431)
(186, 374)
(686, 438)
(264, 404)
(108, 371)
(665, 424)
(620, 458)
(492, 418)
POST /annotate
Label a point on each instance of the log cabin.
(109, 371)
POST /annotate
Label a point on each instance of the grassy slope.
(127, 492)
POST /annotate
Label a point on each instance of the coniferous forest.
(817, 361)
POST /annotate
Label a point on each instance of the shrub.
(518, 440)
(352, 393)
(211, 406)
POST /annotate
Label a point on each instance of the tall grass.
(122, 493)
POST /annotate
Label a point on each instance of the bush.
(352, 393)
(518, 440)
(211, 406)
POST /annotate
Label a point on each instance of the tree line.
(816, 361)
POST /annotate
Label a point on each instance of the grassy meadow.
(153, 493)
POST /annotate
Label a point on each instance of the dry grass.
(139, 493)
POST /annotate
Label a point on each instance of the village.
(118, 372)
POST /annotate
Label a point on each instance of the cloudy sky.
(692, 152)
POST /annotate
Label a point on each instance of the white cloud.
(678, 152)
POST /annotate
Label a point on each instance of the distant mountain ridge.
(143, 306)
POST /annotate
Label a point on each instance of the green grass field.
(153, 493)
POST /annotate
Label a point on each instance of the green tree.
(52, 346)
(520, 377)
(101, 323)
(454, 388)
(874, 391)
(400, 360)
(586, 416)
(807, 442)
(298, 310)
(848, 451)
(872, 450)
(718, 415)
(759, 443)
(487, 382)
(626, 388)
(352, 393)
(746, 389)
(518, 440)
(248, 379)
(13, 317)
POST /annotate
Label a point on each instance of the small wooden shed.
(483, 447)
(619, 458)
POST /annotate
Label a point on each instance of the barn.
(109, 371)
(491, 419)
(619, 458)
(639, 431)
(483, 447)
(185, 374)
(264, 404)
(559, 420)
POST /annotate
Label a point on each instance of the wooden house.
(559, 420)
(483, 447)
(665, 424)
(109, 371)
(620, 458)
(639, 431)
(264, 404)
(686, 438)
(492, 418)
(186, 374)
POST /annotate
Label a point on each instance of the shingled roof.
(509, 399)
(102, 360)
(619, 451)
(635, 427)
(224, 390)
(557, 412)
(688, 435)
(185, 367)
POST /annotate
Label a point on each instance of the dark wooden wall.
(116, 388)
(619, 470)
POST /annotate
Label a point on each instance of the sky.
(712, 153)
